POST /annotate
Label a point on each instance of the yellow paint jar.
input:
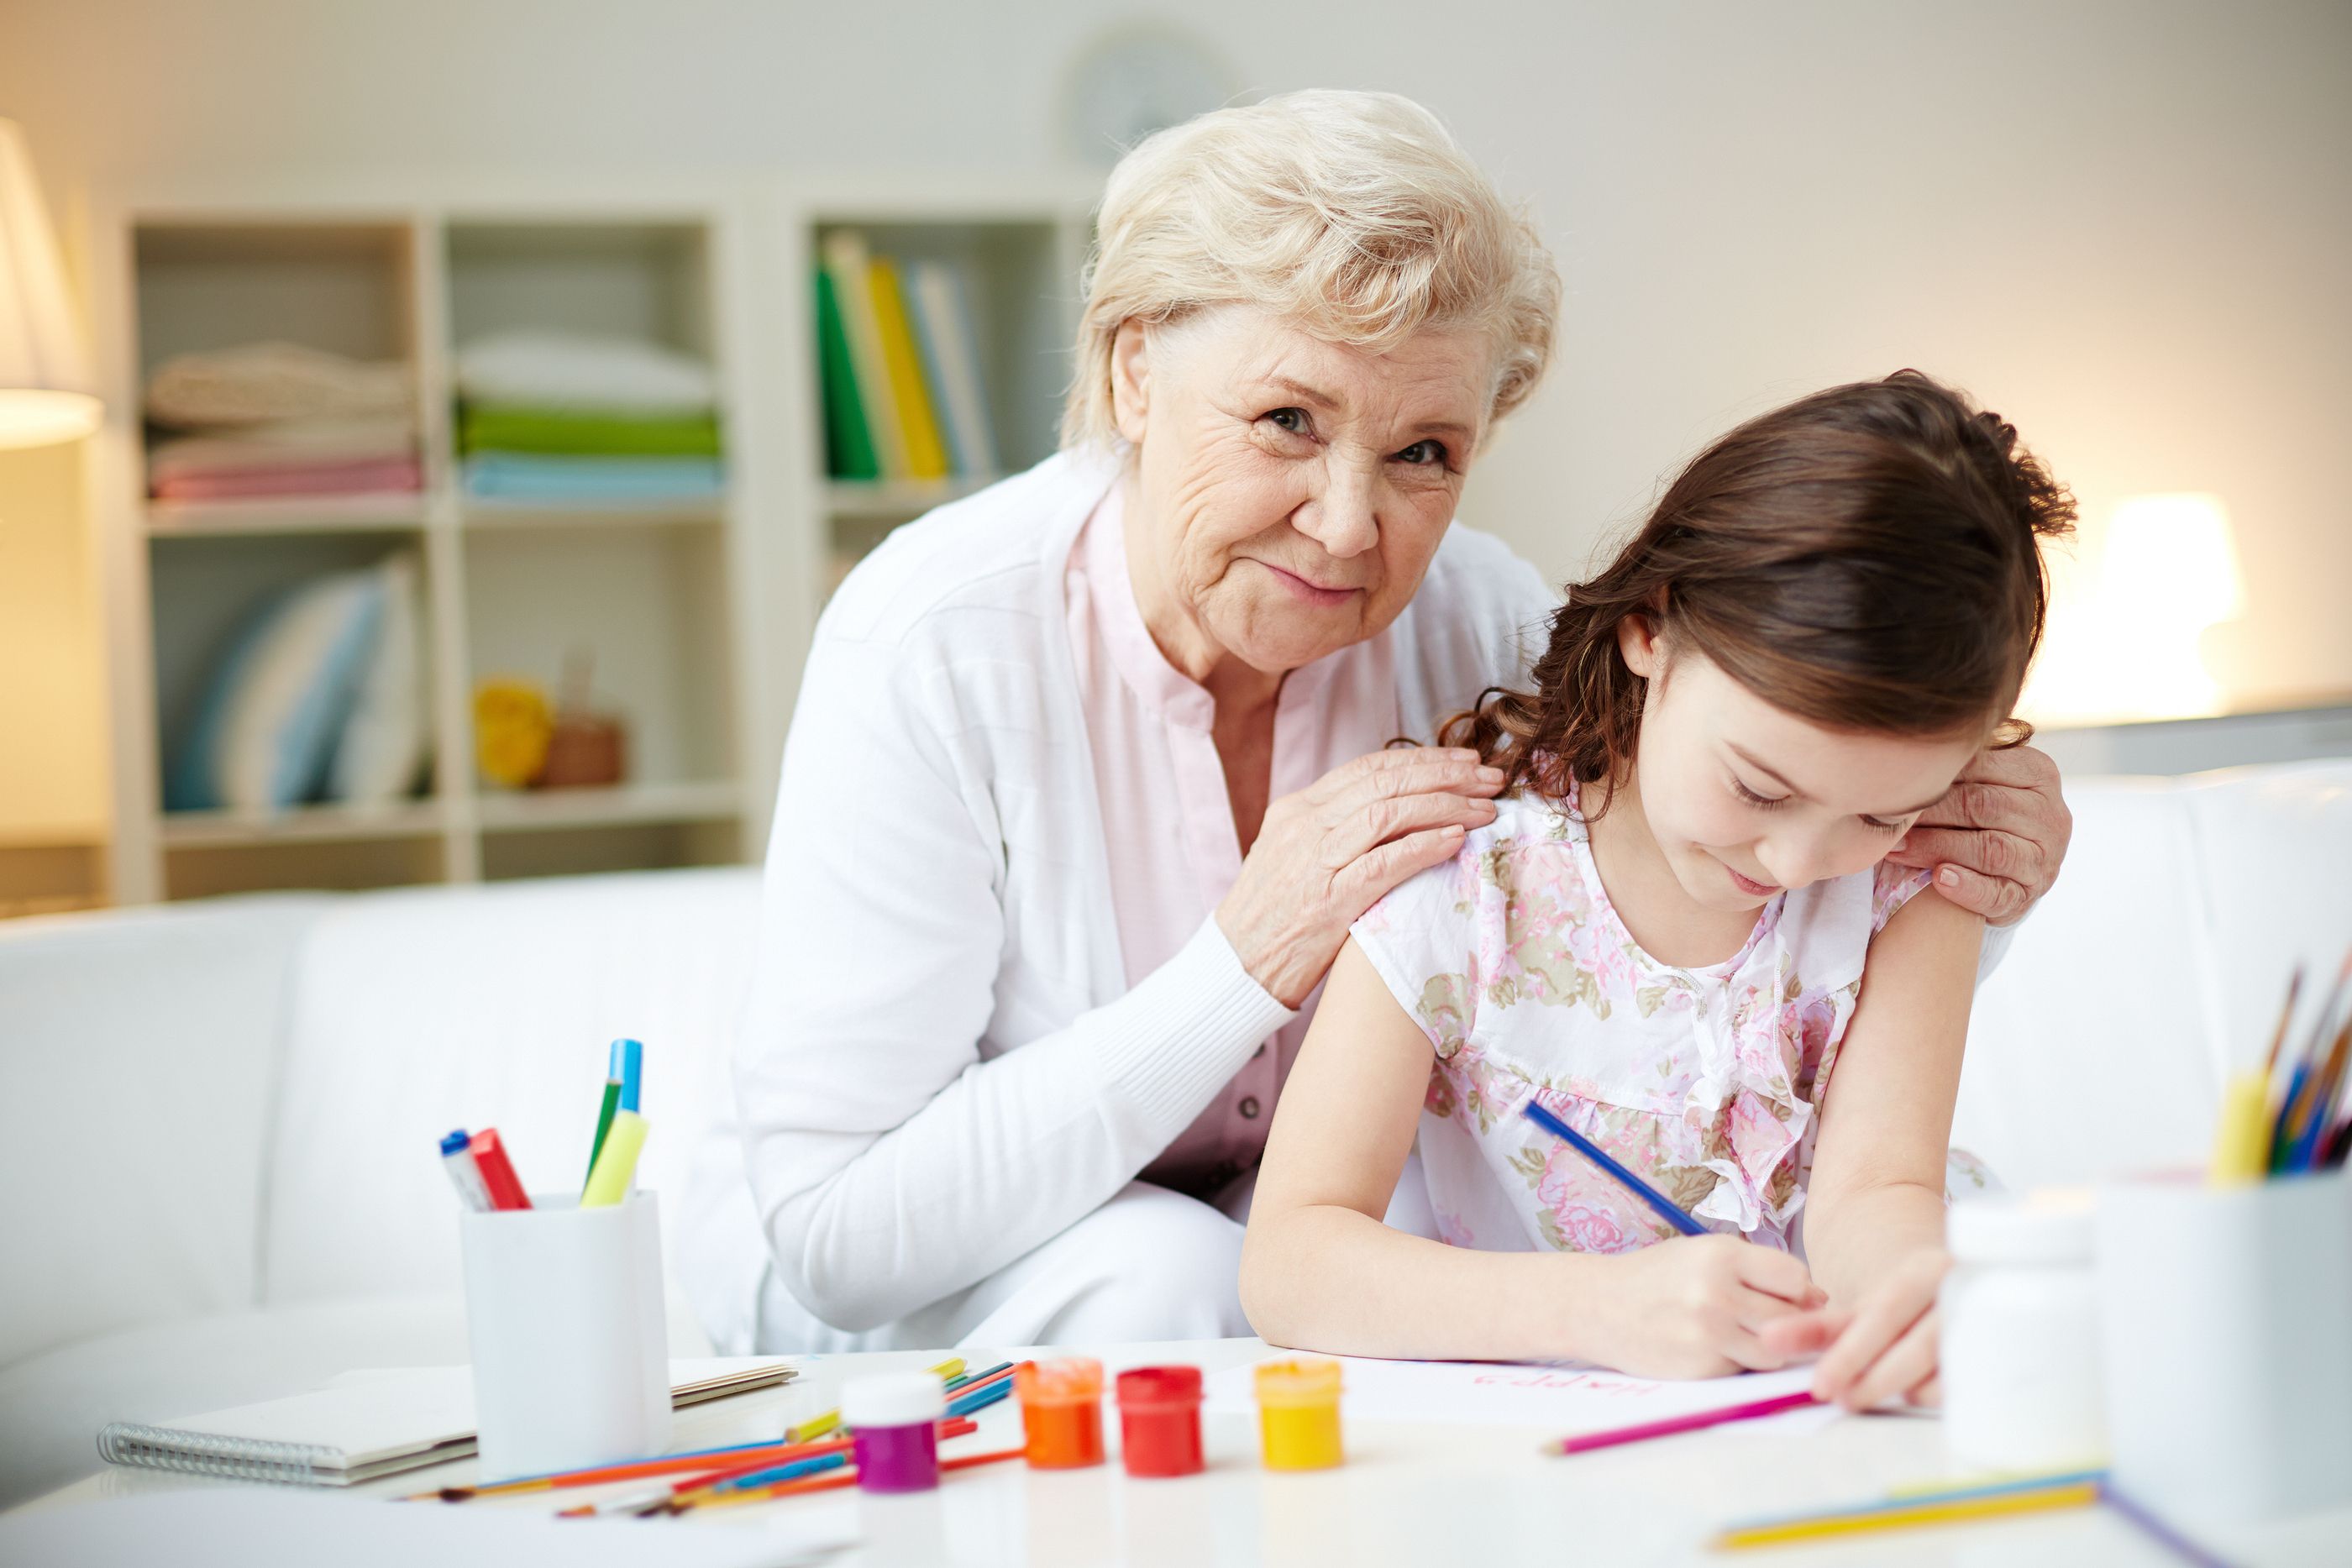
(1298, 1414)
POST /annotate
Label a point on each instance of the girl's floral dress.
(1707, 1083)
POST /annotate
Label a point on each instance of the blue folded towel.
(520, 476)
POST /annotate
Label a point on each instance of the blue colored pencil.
(1611, 1168)
(783, 1472)
(980, 1398)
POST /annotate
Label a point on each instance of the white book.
(848, 263)
(365, 1428)
(945, 308)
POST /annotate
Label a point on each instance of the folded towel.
(520, 477)
(561, 370)
(292, 479)
(386, 438)
(262, 381)
(617, 433)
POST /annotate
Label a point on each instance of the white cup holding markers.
(564, 1310)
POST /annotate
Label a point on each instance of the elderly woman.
(1091, 772)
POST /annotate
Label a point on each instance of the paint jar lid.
(2053, 1226)
(1299, 1383)
(1149, 1387)
(892, 1399)
(1072, 1380)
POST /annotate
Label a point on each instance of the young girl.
(1663, 936)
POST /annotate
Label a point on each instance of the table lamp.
(44, 376)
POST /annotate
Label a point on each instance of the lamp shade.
(44, 387)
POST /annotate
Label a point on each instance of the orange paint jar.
(1061, 1412)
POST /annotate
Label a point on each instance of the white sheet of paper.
(254, 1527)
(1562, 1400)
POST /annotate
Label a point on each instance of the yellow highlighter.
(2241, 1142)
(616, 1165)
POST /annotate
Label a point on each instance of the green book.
(848, 444)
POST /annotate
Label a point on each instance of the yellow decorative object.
(513, 722)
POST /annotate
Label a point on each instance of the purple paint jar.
(894, 1429)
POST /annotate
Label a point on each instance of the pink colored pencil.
(1672, 1425)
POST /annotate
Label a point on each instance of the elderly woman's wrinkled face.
(1290, 492)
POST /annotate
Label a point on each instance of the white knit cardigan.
(944, 1064)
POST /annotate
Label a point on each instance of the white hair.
(1354, 214)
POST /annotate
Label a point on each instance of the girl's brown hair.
(1867, 557)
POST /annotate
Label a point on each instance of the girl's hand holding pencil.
(1697, 1306)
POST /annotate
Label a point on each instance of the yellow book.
(926, 454)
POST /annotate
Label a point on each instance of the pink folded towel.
(292, 479)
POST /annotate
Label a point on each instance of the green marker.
(604, 1121)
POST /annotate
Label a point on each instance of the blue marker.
(1627, 1179)
(628, 1063)
(457, 1159)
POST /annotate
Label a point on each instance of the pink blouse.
(1168, 823)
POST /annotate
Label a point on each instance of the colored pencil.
(972, 1379)
(981, 1398)
(604, 1124)
(2156, 1530)
(1592, 1151)
(821, 1456)
(1751, 1411)
(838, 1479)
(817, 1426)
(662, 1465)
(739, 1475)
(2320, 1114)
(1950, 1508)
(2286, 1021)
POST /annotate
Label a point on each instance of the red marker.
(490, 1159)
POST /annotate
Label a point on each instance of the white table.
(1418, 1495)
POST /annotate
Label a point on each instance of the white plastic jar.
(2020, 1319)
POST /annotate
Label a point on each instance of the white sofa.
(218, 1181)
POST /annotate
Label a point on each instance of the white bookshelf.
(699, 613)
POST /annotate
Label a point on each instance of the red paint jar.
(1159, 1420)
(1061, 1412)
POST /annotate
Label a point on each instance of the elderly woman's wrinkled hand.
(1995, 841)
(1327, 853)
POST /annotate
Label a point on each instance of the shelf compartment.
(1016, 294)
(644, 280)
(537, 811)
(206, 588)
(346, 287)
(648, 606)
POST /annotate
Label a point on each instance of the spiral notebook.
(375, 1427)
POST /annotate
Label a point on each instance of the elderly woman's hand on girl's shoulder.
(1996, 840)
(1329, 852)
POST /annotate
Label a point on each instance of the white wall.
(2126, 225)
